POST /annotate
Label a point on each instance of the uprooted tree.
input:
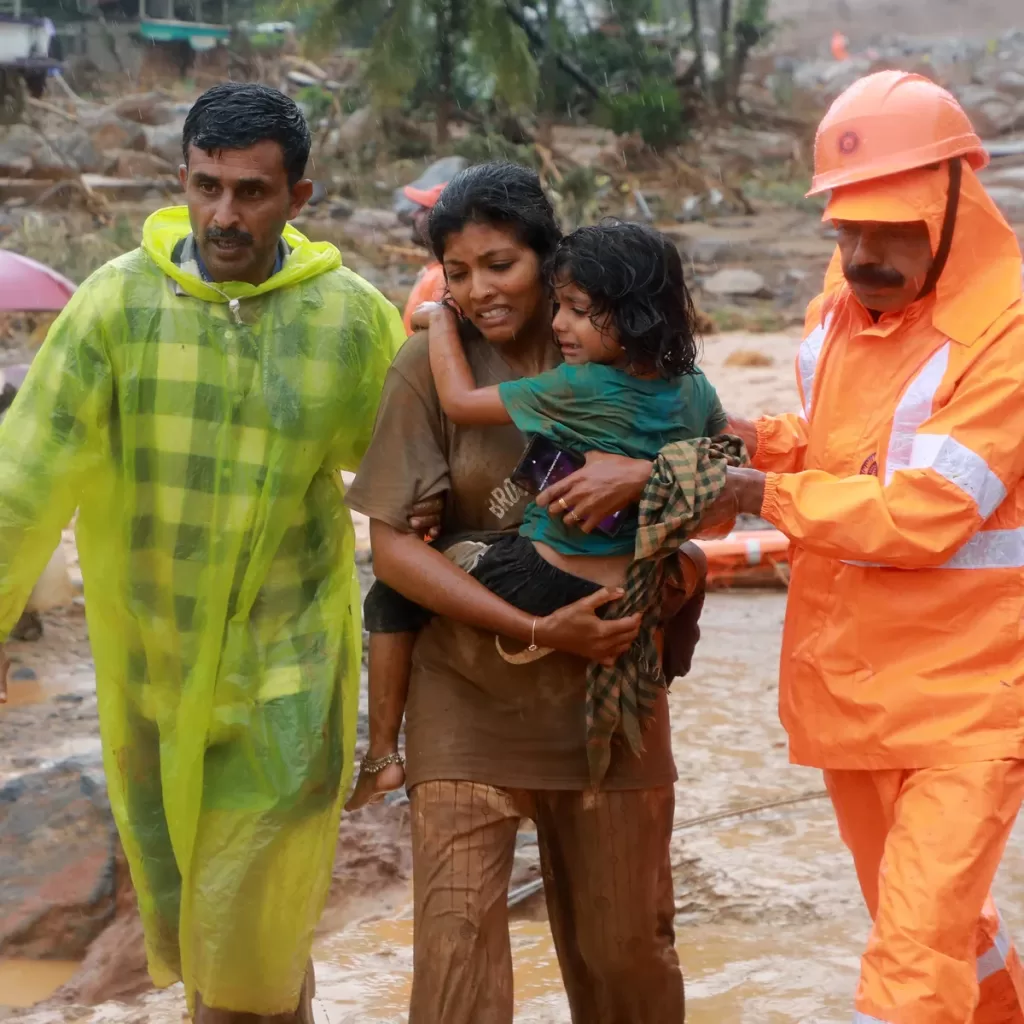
(452, 56)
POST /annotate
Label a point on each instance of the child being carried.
(627, 330)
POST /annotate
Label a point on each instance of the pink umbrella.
(30, 287)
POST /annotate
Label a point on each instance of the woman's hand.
(420, 319)
(606, 484)
(425, 517)
(576, 629)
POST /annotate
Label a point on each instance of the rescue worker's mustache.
(228, 235)
(874, 275)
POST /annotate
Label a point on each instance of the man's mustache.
(874, 275)
(228, 235)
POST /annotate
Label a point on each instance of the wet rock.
(375, 227)
(1011, 83)
(319, 195)
(107, 132)
(990, 112)
(25, 153)
(78, 150)
(129, 163)
(737, 281)
(165, 140)
(57, 861)
(115, 966)
(150, 108)
(340, 210)
(356, 130)
(1010, 202)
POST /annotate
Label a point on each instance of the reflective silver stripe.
(866, 1018)
(990, 549)
(994, 958)
(914, 408)
(959, 465)
(753, 552)
(810, 351)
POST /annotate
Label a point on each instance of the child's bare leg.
(390, 664)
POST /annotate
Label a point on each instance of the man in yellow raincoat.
(195, 402)
(900, 486)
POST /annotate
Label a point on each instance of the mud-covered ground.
(769, 919)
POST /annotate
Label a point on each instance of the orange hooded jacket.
(900, 485)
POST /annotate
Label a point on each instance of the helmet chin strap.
(948, 224)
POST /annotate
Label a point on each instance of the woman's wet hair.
(237, 115)
(501, 195)
(633, 276)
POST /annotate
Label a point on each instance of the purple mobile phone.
(545, 463)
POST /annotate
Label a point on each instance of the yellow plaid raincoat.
(198, 429)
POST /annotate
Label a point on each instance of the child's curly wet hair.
(634, 278)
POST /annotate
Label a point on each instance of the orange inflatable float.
(752, 558)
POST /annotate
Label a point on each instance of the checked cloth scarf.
(687, 478)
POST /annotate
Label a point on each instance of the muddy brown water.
(769, 919)
(24, 983)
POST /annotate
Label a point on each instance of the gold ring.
(571, 517)
(563, 505)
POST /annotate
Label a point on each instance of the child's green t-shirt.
(593, 407)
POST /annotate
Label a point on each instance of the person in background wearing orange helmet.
(900, 486)
(430, 283)
(840, 51)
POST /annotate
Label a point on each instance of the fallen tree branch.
(568, 66)
(49, 108)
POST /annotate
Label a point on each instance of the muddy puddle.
(27, 982)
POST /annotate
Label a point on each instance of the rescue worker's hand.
(420, 318)
(746, 431)
(606, 484)
(576, 629)
(425, 517)
(5, 666)
(747, 485)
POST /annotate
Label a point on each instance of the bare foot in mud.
(372, 786)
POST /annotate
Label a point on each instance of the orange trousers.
(926, 845)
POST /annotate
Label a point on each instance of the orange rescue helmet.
(889, 122)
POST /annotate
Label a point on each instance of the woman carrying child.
(490, 743)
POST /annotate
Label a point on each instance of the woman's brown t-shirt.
(472, 716)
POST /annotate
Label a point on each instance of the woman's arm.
(463, 402)
(425, 576)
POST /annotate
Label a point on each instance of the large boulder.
(738, 281)
(108, 131)
(58, 850)
(152, 108)
(129, 163)
(165, 140)
(25, 153)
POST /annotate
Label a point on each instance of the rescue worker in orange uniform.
(900, 487)
(430, 284)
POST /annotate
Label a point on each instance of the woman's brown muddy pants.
(608, 882)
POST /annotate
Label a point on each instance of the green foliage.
(653, 109)
(483, 148)
(490, 57)
(316, 101)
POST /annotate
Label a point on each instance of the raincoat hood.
(982, 276)
(164, 229)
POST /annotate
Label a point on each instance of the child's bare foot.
(377, 776)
